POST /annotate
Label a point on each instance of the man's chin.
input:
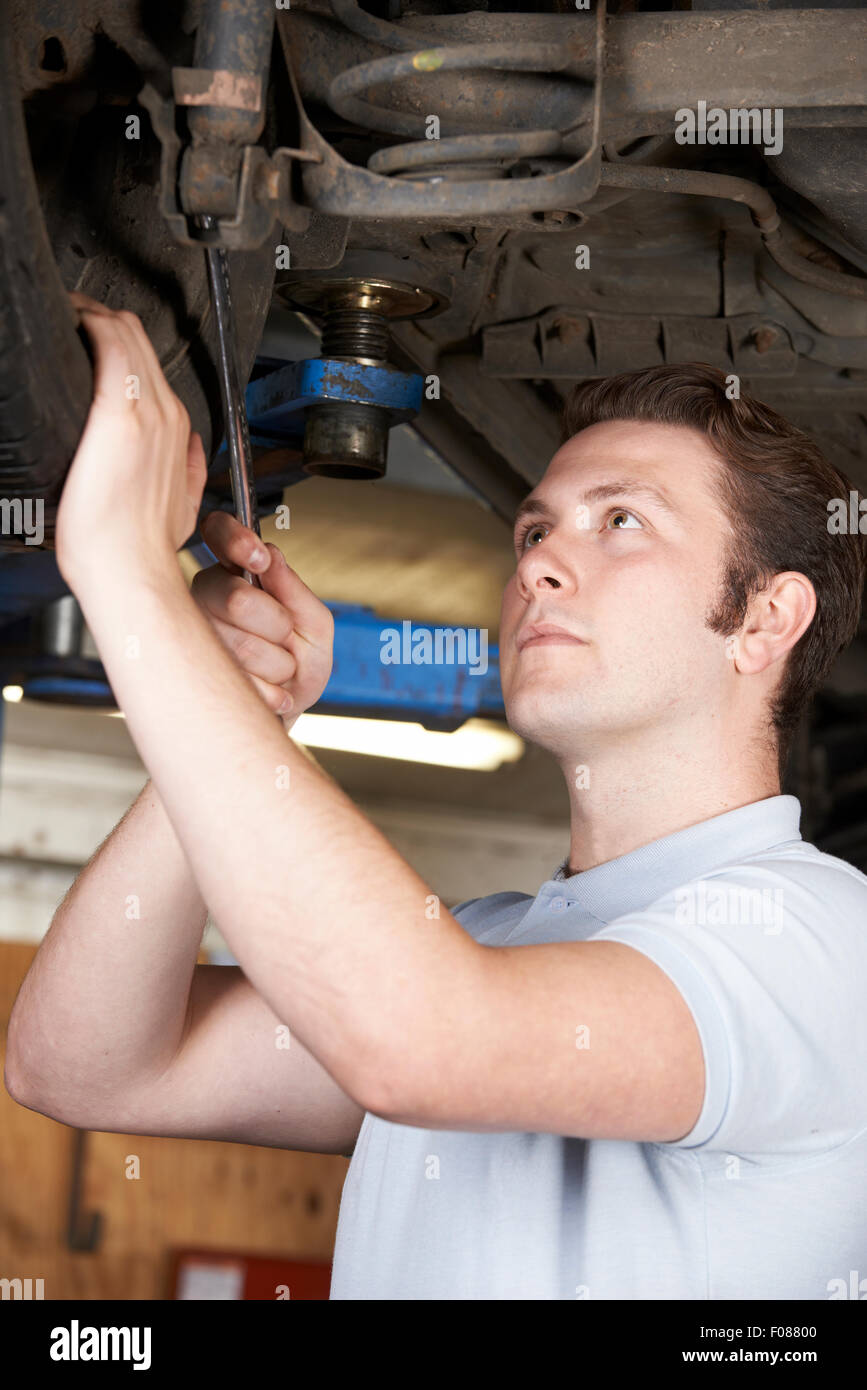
(540, 717)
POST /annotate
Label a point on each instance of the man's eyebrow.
(635, 487)
(536, 506)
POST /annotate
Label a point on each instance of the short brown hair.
(774, 487)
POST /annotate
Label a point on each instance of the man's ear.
(776, 619)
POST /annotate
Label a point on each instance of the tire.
(79, 209)
(45, 375)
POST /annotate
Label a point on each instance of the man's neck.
(626, 797)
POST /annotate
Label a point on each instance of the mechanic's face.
(634, 581)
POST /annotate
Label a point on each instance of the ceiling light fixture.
(481, 745)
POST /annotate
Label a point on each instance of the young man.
(646, 1081)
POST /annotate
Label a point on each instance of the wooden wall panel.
(190, 1193)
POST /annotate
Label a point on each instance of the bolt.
(567, 329)
(764, 338)
(355, 332)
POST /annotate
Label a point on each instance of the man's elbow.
(25, 1086)
(394, 1088)
(381, 1084)
(22, 1089)
(15, 1071)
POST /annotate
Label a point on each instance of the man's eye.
(526, 532)
(621, 511)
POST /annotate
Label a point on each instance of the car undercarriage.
(470, 209)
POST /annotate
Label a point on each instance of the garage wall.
(57, 806)
(189, 1193)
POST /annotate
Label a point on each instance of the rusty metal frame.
(332, 185)
(262, 186)
(647, 66)
(806, 61)
(566, 343)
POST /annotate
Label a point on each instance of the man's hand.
(135, 486)
(281, 635)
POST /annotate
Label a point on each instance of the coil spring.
(408, 61)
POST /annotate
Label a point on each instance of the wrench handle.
(237, 428)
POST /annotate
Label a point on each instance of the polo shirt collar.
(634, 880)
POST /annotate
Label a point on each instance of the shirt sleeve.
(771, 960)
(457, 910)
(485, 919)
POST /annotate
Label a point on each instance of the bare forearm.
(104, 1002)
(326, 919)
(324, 916)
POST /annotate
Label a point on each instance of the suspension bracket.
(543, 170)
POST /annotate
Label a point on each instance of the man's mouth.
(543, 634)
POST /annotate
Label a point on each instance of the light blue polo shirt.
(765, 1198)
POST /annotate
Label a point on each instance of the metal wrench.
(237, 429)
(234, 405)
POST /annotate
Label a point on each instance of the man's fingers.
(256, 655)
(231, 600)
(234, 544)
(125, 360)
(312, 620)
(275, 697)
(126, 368)
(116, 387)
(84, 302)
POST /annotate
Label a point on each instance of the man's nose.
(542, 567)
